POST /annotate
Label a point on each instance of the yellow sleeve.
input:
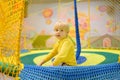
(63, 53)
(52, 53)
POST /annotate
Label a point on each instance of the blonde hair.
(61, 25)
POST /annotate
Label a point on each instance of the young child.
(64, 49)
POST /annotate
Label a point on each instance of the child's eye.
(56, 30)
(61, 30)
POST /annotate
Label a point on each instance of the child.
(64, 48)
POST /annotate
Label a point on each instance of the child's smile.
(58, 35)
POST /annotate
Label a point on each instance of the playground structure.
(11, 17)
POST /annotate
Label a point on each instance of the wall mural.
(47, 13)
(38, 27)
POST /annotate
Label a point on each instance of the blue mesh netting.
(98, 72)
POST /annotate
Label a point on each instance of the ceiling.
(51, 1)
(64, 1)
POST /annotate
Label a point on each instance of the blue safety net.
(97, 72)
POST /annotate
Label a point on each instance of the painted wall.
(100, 21)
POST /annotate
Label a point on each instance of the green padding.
(29, 58)
(9, 69)
(109, 57)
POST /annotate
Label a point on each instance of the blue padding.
(81, 59)
(99, 72)
(24, 51)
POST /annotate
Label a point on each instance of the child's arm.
(50, 55)
(63, 53)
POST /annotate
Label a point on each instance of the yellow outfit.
(64, 52)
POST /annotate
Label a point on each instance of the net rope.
(11, 16)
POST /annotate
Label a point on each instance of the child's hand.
(41, 63)
(51, 65)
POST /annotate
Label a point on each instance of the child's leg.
(64, 64)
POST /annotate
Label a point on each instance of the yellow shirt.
(64, 52)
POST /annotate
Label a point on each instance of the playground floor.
(5, 77)
(93, 56)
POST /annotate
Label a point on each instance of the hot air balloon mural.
(102, 8)
(47, 13)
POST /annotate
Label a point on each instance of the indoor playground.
(27, 36)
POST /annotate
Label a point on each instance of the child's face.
(60, 33)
